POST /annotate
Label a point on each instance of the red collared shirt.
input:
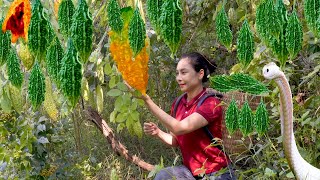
(197, 155)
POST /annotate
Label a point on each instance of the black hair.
(199, 61)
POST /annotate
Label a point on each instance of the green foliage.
(232, 116)
(40, 31)
(16, 146)
(171, 24)
(246, 119)
(311, 14)
(70, 74)
(37, 87)
(154, 13)
(13, 68)
(294, 35)
(245, 44)
(4, 45)
(65, 14)
(137, 32)
(54, 60)
(261, 121)
(114, 16)
(224, 33)
(82, 30)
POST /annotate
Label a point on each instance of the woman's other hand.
(151, 128)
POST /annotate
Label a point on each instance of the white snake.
(301, 168)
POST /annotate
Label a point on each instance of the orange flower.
(18, 19)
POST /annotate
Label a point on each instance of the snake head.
(271, 71)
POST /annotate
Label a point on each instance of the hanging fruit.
(17, 98)
(273, 20)
(49, 104)
(261, 119)
(245, 44)
(137, 33)
(246, 119)
(133, 70)
(278, 46)
(312, 13)
(294, 35)
(36, 89)
(171, 24)
(154, 13)
(4, 45)
(232, 115)
(114, 16)
(18, 19)
(70, 74)
(25, 56)
(40, 31)
(65, 13)
(13, 68)
(54, 60)
(82, 30)
(261, 19)
(223, 31)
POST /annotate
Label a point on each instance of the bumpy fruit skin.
(238, 81)
(246, 119)
(273, 20)
(261, 119)
(114, 16)
(294, 35)
(49, 104)
(223, 31)
(37, 87)
(65, 13)
(17, 20)
(133, 70)
(70, 74)
(4, 45)
(248, 84)
(245, 44)
(278, 46)
(40, 31)
(17, 98)
(82, 30)
(232, 115)
(13, 68)
(171, 24)
(312, 14)
(25, 56)
(137, 33)
(54, 60)
(154, 13)
(261, 19)
(222, 83)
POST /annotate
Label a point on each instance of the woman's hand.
(144, 97)
(151, 128)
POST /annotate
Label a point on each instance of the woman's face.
(186, 76)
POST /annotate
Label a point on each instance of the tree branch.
(119, 148)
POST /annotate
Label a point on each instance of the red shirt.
(197, 155)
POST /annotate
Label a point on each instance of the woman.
(186, 128)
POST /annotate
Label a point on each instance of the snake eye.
(267, 70)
